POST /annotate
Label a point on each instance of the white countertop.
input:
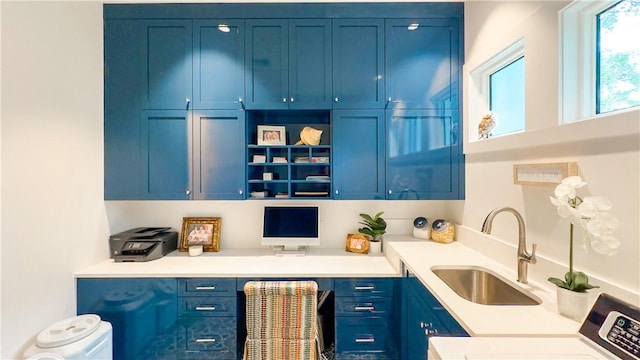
(248, 263)
(418, 255)
(477, 319)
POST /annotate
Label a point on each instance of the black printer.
(143, 244)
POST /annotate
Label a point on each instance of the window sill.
(606, 126)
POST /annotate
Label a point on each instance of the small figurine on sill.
(486, 125)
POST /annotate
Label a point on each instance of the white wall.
(53, 216)
(51, 168)
(606, 150)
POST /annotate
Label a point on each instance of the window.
(618, 57)
(600, 58)
(500, 86)
(506, 97)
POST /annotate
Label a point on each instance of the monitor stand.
(293, 250)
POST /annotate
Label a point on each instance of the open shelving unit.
(289, 171)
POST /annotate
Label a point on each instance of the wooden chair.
(281, 320)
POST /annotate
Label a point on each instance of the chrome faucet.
(524, 258)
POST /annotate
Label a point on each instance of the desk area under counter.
(183, 307)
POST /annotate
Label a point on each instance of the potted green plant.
(374, 227)
(590, 214)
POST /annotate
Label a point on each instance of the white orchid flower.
(574, 182)
(602, 224)
(594, 205)
(605, 245)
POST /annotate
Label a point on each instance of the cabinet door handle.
(205, 340)
(291, 100)
(284, 100)
(188, 192)
(240, 100)
(368, 287)
(424, 325)
(430, 332)
(366, 340)
(390, 191)
(205, 287)
(364, 308)
(337, 192)
(336, 100)
(240, 191)
(205, 308)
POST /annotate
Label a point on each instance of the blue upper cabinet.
(358, 154)
(165, 154)
(358, 64)
(167, 71)
(218, 64)
(219, 154)
(422, 64)
(423, 155)
(288, 64)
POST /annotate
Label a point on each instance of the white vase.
(375, 247)
(572, 304)
(195, 250)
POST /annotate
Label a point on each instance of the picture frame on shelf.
(271, 135)
(357, 243)
(203, 231)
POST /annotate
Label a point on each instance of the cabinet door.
(423, 155)
(218, 60)
(310, 64)
(358, 63)
(267, 63)
(165, 154)
(167, 70)
(422, 63)
(358, 154)
(142, 312)
(219, 154)
(123, 66)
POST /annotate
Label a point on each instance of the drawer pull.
(364, 308)
(205, 287)
(368, 287)
(366, 340)
(205, 308)
(201, 341)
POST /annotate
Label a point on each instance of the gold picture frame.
(357, 243)
(201, 231)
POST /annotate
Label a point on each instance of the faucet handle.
(532, 258)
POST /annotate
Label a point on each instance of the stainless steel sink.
(483, 286)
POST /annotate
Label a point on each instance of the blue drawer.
(357, 334)
(207, 306)
(359, 306)
(207, 338)
(364, 287)
(207, 287)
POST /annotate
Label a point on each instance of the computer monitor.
(289, 229)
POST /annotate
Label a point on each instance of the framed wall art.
(271, 135)
(201, 231)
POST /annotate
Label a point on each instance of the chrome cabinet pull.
(205, 308)
(205, 287)
(368, 287)
(366, 340)
(336, 100)
(205, 340)
(188, 192)
(284, 100)
(364, 308)
(291, 100)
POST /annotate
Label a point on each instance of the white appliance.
(79, 337)
(610, 331)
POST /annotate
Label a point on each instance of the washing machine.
(78, 337)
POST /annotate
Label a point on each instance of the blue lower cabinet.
(365, 318)
(422, 317)
(142, 312)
